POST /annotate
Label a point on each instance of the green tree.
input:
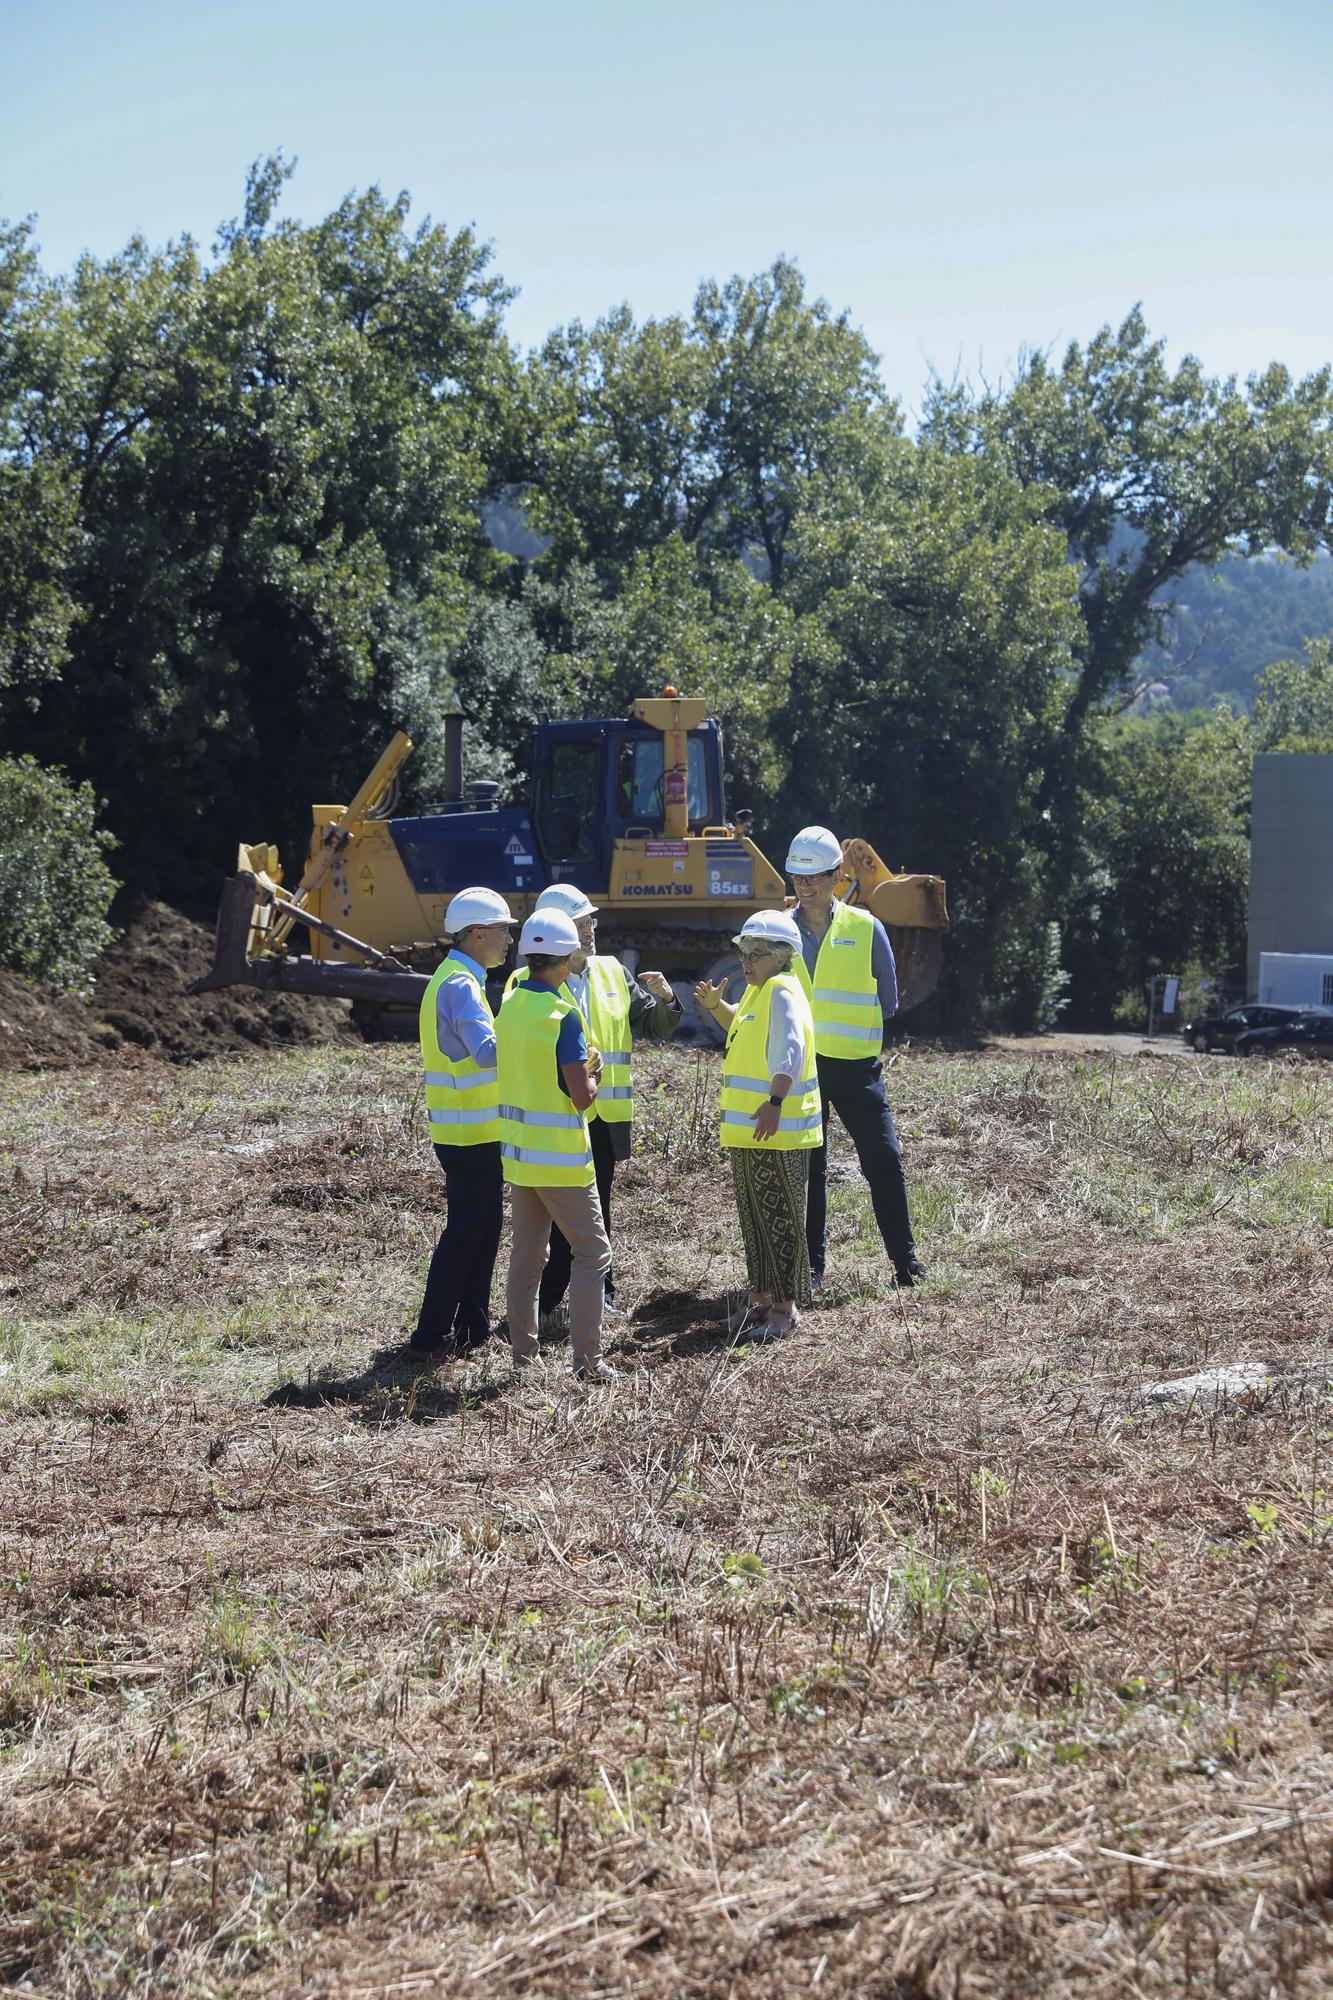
(279, 459)
(1147, 472)
(710, 627)
(495, 676)
(712, 427)
(55, 886)
(940, 625)
(1294, 706)
(38, 495)
(1167, 858)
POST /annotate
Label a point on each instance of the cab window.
(639, 788)
(567, 804)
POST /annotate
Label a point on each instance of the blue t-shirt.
(571, 1044)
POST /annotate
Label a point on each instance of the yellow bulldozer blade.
(918, 956)
(912, 910)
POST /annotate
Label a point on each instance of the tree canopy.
(248, 525)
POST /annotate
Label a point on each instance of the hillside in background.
(1231, 624)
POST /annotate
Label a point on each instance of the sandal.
(777, 1325)
(741, 1319)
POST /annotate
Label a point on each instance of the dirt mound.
(140, 1003)
(44, 1030)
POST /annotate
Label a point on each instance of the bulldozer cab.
(596, 783)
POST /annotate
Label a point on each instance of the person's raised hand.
(707, 996)
(657, 984)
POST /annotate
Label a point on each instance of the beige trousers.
(576, 1210)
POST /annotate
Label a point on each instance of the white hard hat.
(552, 932)
(564, 896)
(476, 906)
(813, 850)
(769, 927)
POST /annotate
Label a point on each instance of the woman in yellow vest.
(457, 1031)
(616, 1006)
(771, 1118)
(548, 1083)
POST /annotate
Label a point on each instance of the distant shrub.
(55, 887)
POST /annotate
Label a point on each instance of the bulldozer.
(631, 810)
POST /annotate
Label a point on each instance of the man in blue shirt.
(852, 1086)
(457, 1032)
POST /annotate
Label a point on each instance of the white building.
(1295, 979)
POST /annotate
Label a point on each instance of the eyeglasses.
(752, 952)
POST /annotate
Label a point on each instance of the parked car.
(1310, 1034)
(1220, 1031)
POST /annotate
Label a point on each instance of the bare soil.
(912, 1657)
(139, 1003)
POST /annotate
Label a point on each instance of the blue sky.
(967, 178)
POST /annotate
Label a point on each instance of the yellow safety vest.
(849, 1021)
(462, 1098)
(747, 1080)
(608, 1032)
(543, 1138)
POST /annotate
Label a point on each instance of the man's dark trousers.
(456, 1311)
(855, 1090)
(555, 1278)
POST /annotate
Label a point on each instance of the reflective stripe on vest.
(533, 1156)
(608, 1033)
(745, 1087)
(543, 1138)
(462, 1098)
(844, 999)
(562, 1121)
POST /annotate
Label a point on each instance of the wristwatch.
(776, 1102)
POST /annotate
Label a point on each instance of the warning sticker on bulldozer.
(365, 881)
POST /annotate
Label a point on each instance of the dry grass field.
(915, 1657)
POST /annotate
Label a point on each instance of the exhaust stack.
(453, 759)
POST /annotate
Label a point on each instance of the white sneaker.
(610, 1310)
(602, 1371)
